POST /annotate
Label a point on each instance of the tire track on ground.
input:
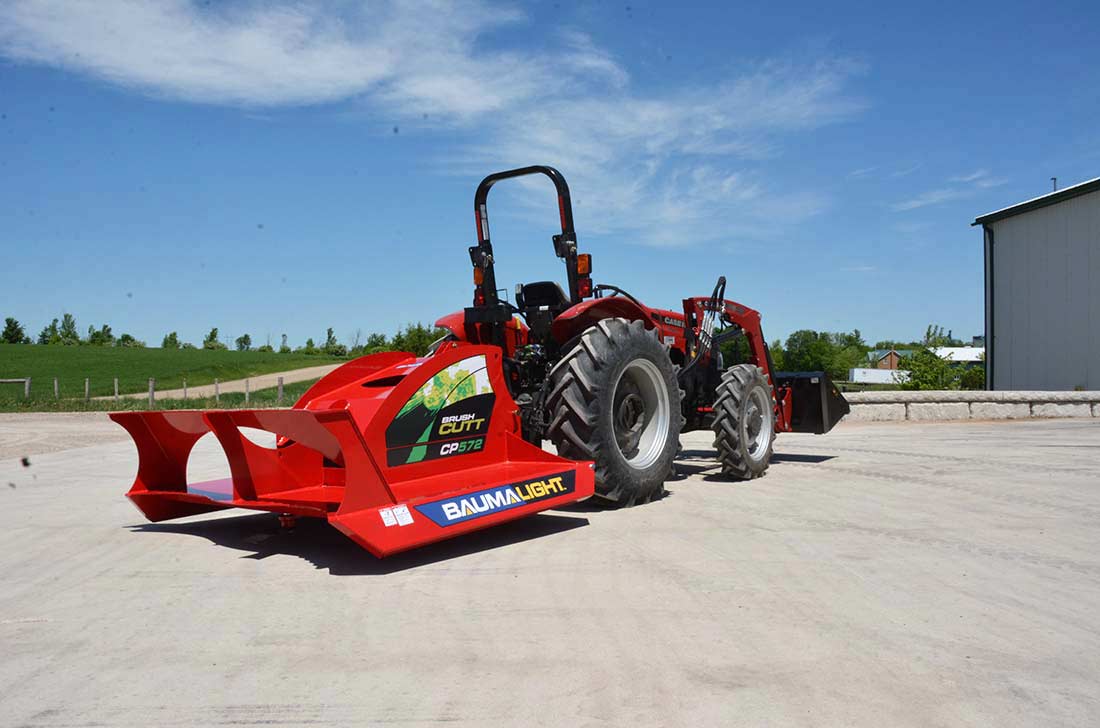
(1076, 508)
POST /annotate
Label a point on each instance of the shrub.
(211, 340)
(14, 332)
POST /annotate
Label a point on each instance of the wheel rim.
(756, 425)
(640, 414)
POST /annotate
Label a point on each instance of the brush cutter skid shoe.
(394, 451)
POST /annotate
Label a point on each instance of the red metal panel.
(577, 318)
(333, 462)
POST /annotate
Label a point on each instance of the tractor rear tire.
(744, 422)
(614, 399)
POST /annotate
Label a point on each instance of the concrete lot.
(884, 575)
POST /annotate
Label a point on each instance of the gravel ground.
(895, 574)
(34, 433)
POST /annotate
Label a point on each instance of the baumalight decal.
(468, 506)
(449, 415)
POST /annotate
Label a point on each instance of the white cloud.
(980, 179)
(671, 170)
(662, 168)
(960, 187)
(931, 197)
(972, 177)
(906, 171)
(264, 56)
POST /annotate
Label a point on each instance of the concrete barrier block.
(1000, 410)
(1096, 410)
(1061, 409)
(876, 412)
(939, 411)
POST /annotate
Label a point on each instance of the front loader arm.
(706, 315)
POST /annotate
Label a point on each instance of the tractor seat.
(542, 294)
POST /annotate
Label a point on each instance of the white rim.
(640, 413)
(756, 425)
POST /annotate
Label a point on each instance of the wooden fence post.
(280, 398)
(152, 387)
(185, 389)
(27, 388)
(56, 389)
(116, 390)
(246, 392)
(217, 393)
(87, 389)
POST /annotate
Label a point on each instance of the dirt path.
(260, 381)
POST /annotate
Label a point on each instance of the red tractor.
(608, 379)
(398, 451)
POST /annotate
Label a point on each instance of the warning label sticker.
(401, 513)
(396, 516)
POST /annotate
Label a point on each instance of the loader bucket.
(394, 451)
(817, 403)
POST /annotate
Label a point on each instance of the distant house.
(887, 358)
(877, 376)
(960, 354)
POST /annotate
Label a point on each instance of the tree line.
(64, 332)
(804, 350)
(415, 338)
(835, 353)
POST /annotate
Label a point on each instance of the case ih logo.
(494, 500)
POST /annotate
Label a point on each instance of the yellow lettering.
(539, 488)
(457, 428)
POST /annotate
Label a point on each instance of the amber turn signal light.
(584, 264)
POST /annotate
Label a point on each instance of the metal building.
(1042, 291)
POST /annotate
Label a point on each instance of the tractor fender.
(456, 324)
(515, 330)
(576, 319)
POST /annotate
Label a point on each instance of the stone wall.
(970, 405)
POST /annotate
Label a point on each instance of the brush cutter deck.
(394, 451)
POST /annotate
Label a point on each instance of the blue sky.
(284, 167)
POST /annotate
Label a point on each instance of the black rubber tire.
(581, 404)
(732, 402)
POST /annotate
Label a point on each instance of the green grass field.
(261, 398)
(133, 367)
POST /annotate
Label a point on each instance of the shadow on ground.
(708, 456)
(789, 457)
(703, 462)
(323, 546)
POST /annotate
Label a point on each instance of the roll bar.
(565, 245)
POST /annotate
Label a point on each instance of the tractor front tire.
(614, 399)
(744, 422)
